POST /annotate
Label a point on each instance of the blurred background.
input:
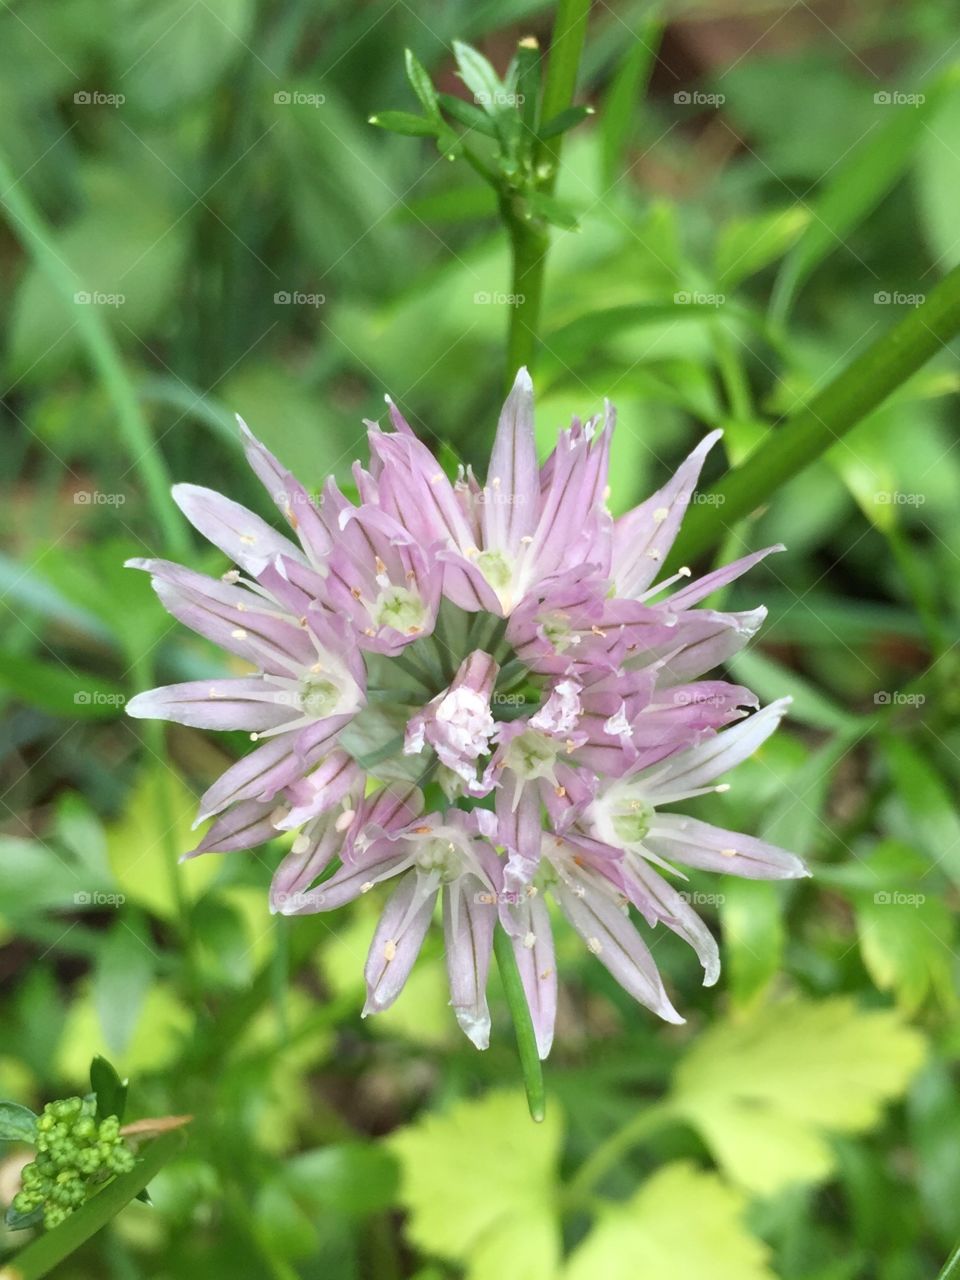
(198, 221)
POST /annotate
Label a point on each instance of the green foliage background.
(760, 195)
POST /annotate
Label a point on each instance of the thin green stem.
(529, 239)
(46, 1252)
(951, 1268)
(596, 1167)
(29, 225)
(560, 83)
(522, 1024)
(808, 433)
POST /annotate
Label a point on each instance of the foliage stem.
(529, 240)
(595, 1168)
(522, 1024)
(29, 225)
(809, 432)
(46, 1252)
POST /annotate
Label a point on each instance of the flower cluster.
(479, 692)
(73, 1150)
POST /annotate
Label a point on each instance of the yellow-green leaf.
(766, 1091)
(683, 1223)
(478, 1182)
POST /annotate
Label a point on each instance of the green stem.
(522, 1024)
(46, 1252)
(29, 225)
(529, 240)
(951, 1268)
(529, 243)
(809, 432)
(608, 1154)
(563, 65)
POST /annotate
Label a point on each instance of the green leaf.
(564, 121)
(476, 72)
(111, 1091)
(180, 48)
(905, 928)
(683, 1223)
(857, 186)
(557, 212)
(17, 1123)
(53, 687)
(770, 680)
(753, 937)
(136, 845)
(766, 1091)
(351, 1178)
(421, 84)
(923, 809)
(467, 114)
(479, 1181)
(620, 106)
(406, 123)
(747, 245)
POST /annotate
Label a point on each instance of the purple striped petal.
(397, 940)
(243, 703)
(698, 844)
(242, 536)
(469, 916)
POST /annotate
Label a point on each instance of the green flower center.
(632, 822)
(495, 568)
(401, 609)
(319, 697)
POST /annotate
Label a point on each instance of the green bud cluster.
(73, 1150)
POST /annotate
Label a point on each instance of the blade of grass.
(31, 228)
(809, 432)
(522, 1024)
(46, 1252)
